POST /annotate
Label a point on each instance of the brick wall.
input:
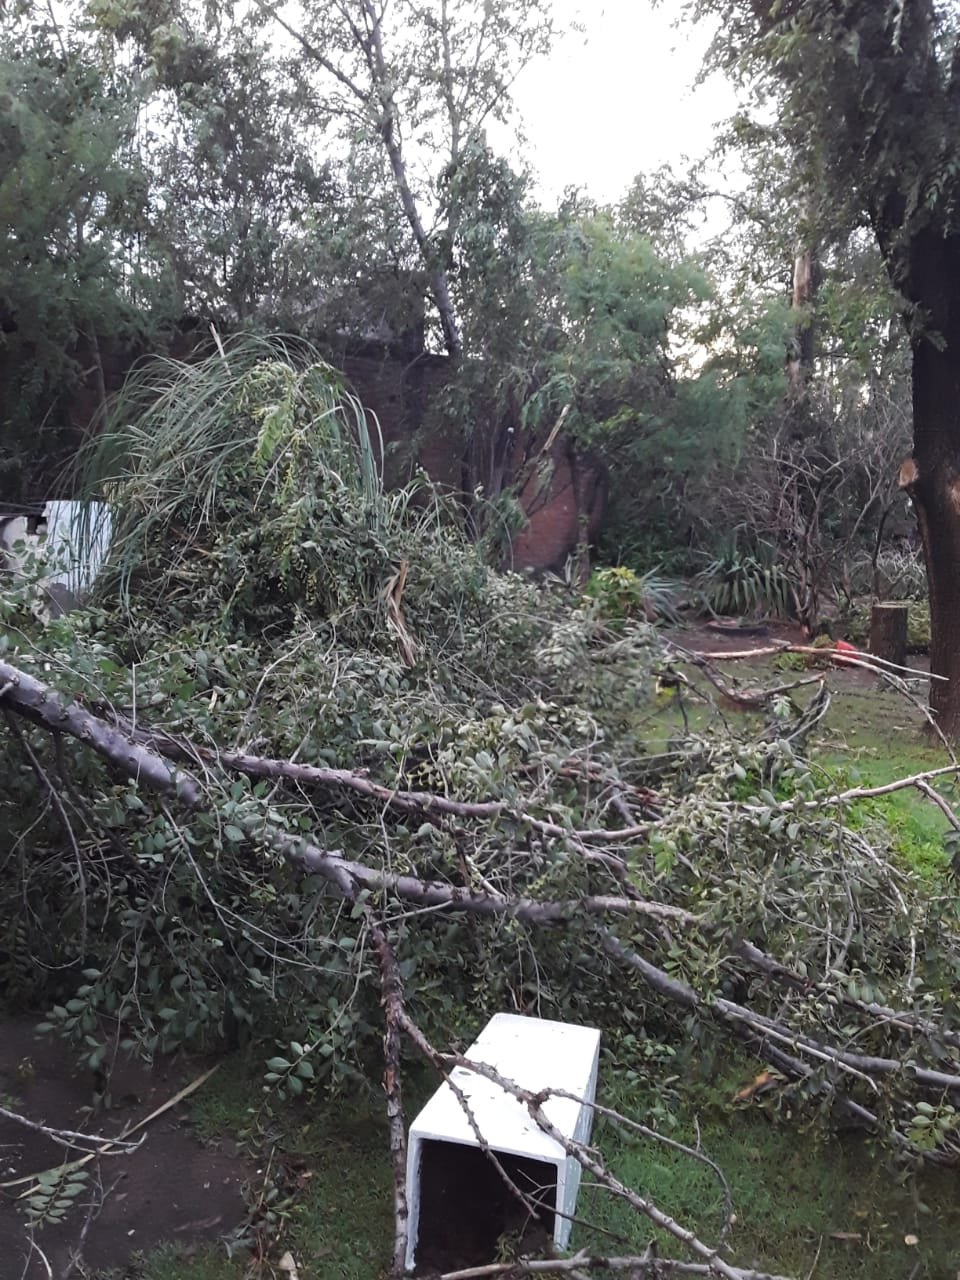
(399, 394)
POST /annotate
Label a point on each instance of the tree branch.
(392, 995)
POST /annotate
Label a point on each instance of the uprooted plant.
(304, 752)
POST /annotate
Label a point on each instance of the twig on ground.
(35, 1249)
(94, 1210)
(120, 1144)
(640, 1265)
(70, 1139)
(859, 659)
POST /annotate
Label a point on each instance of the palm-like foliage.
(244, 454)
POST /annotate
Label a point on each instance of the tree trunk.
(802, 354)
(100, 380)
(581, 550)
(888, 633)
(388, 127)
(932, 479)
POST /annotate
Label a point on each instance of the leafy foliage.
(53, 1195)
(71, 192)
(621, 594)
(253, 538)
(459, 729)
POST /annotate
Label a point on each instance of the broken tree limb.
(901, 1020)
(391, 989)
(25, 694)
(770, 1038)
(120, 1144)
(357, 781)
(640, 1265)
(867, 661)
(71, 1139)
(43, 705)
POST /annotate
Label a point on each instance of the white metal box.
(459, 1204)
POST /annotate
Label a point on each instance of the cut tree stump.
(888, 632)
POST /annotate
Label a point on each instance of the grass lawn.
(871, 736)
(804, 1205)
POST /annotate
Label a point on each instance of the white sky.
(617, 99)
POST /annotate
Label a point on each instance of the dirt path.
(171, 1189)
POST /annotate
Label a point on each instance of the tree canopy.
(866, 98)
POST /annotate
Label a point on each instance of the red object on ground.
(842, 647)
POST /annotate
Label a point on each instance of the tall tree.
(869, 96)
(237, 189)
(571, 319)
(421, 81)
(69, 198)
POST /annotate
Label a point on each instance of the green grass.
(873, 737)
(793, 1189)
(797, 1195)
(228, 1103)
(175, 1262)
(342, 1224)
(870, 736)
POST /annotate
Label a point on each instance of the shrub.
(741, 583)
(622, 594)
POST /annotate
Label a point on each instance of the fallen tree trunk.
(21, 693)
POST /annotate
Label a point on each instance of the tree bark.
(888, 633)
(802, 355)
(388, 127)
(932, 479)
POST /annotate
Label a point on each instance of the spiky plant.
(242, 453)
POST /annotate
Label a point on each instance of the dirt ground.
(171, 1189)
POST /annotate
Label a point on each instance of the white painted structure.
(77, 542)
(534, 1054)
(70, 539)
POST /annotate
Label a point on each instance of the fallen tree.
(241, 803)
(144, 765)
(770, 1038)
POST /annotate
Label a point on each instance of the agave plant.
(741, 583)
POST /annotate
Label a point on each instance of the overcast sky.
(617, 99)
